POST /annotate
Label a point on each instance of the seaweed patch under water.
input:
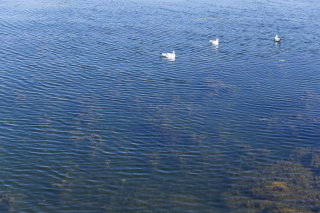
(9, 201)
(281, 186)
(94, 143)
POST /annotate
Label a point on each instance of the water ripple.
(95, 120)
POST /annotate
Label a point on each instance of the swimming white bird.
(169, 55)
(276, 38)
(214, 42)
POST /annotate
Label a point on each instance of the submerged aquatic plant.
(219, 86)
(20, 97)
(309, 97)
(9, 200)
(94, 143)
(281, 186)
(87, 112)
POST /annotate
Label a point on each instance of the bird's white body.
(276, 38)
(215, 42)
(169, 55)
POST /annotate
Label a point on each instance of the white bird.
(276, 38)
(169, 55)
(214, 42)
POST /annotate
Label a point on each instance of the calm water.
(93, 119)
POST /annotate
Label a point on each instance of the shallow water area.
(94, 119)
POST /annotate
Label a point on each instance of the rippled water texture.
(94, 119)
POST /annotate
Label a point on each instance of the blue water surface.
(94, 119)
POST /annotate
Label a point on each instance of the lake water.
(93, 119)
